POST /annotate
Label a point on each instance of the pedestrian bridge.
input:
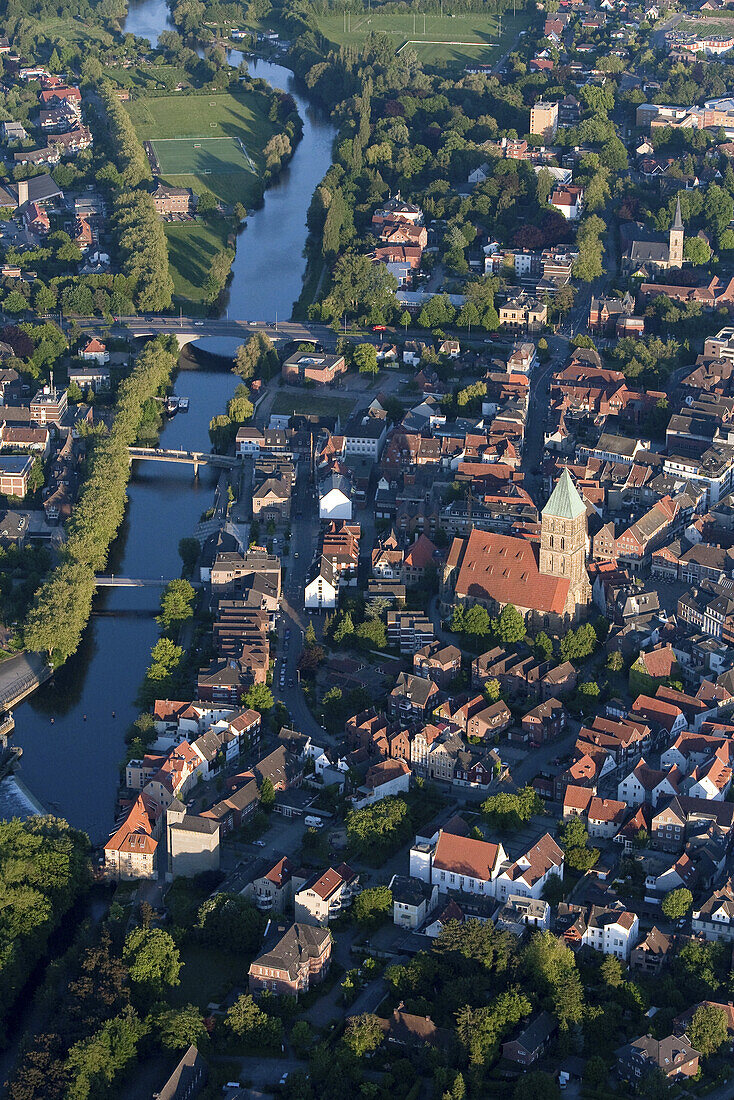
(112, 580)
(188, 458)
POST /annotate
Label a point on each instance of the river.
(71, 763)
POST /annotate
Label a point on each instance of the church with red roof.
(547, 582)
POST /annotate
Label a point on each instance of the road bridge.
(189, 329)
(188, 458)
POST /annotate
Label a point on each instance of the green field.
(471, 36)
(191, 249)
(312, 403)
(200, 156)
(718, 24)
(220, 125)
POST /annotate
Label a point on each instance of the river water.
(72, 731)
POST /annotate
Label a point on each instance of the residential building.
(193, 842)
(673, 1057)
(544, 120)
(412, 901)
(528, 1046)
(293, 962)
(325, 895)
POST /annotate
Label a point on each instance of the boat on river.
(183, 404)
(172, 405)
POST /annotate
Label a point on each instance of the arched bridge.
(188, 458)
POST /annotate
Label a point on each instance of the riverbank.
(72, 764)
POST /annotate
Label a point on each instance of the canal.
(72, 731)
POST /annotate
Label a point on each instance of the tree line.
(63, 603)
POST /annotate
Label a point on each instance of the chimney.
(22, 192)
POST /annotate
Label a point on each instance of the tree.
(153, 961)
(578, 644)
(267, 793)
(177, 604)
(677, 903)
(373, 906)
(225, 919)
(302, 1037)
(310, 635)
(510, 625)
(572, 833)
(365, 359)
(189, 550)
(178, 1028)
(615, 661)
(539, 1085)
(492, 691)
(510, 811)
(696, 251)
(206, 203)
(551, 965)
(543, 646)
(372, 634)
(612, 971)
(378, 829)
(363, 1034)
(259, 697)
(36, 478)
(14, 302)
(253, 1026)
(708, 1030)
(405, 319)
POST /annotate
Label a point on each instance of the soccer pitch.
(436, 39)
(202, 156)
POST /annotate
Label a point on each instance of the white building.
(612, 931)
(389, 777)
(528, 875)
(458, 863)
(366, 437)
(321, 590)
(335, 498)
(645, 784)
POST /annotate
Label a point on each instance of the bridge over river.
(188, 458)
(189, 329)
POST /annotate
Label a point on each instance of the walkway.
(20, 676)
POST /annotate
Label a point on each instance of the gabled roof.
(464, 856)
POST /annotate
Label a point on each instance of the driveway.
(263, 1072)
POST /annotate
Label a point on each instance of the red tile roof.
(505, 569)
(463, 856)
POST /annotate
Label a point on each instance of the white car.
(259, 843)
(284, 1079)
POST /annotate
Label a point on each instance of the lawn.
(70, 30)
(191, 248)
(208, 975)
(472, 36)
(216, 141)
(312, 403)
(718, 24)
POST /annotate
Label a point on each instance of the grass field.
(472, 36)
(220, 125)
(200, 156)
(718, 24)
(312, 403)
(191, 248)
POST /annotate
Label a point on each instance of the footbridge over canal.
(189, 458)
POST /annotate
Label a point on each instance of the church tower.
(563, 538)
(675, 248)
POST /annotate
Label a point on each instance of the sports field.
(471, 36)
(206, 142)
(200, 156)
